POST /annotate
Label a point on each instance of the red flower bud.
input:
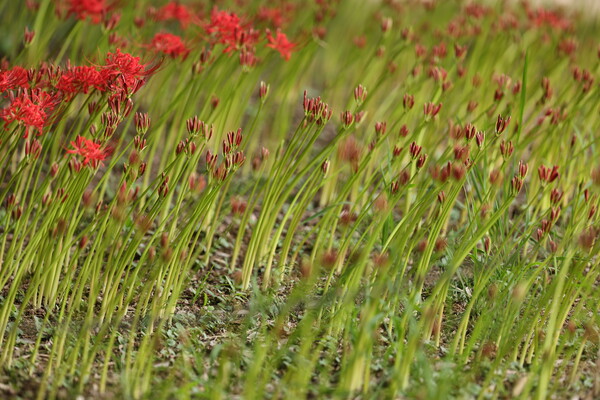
(501, 124)
(142, 122)
(28, 36)
(415, 150)
(431, 109)
(522, 169)
(403, 131)
(347, 118)
(506, 149)
(360, 94)
(480, 139)
(421, 161)
(516, 185)
(325, 167)
(556, 196)
(408, 101)
(263, 91)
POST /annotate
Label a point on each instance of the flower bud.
(28, 36)
(263, 91)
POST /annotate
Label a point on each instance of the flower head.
(280, 43)
(123, 72)
(31, 109)
(174, 10)
(227, 28)
(93, 154)
(80, 79)
(223, 22)
(169, 44)
(94, 9)
(13, 78)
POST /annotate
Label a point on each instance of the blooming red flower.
(13, 78)
(223, 22)
(94, 9)
(123, 72)
(174, 10)
(93, 154)
(227, 29)
(31, 109)
(169, 44)
(80, 80)
(280, 43)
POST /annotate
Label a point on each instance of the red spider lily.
(30, 108)
(244, 41)
(223, 22)
(13, 78)
(124, 73)
(227, 29)
(280, 43)
(169, 44)
(93, 154)
(94, 9)
(80, 80)
(174, 10)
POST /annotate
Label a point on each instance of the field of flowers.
(287, 199)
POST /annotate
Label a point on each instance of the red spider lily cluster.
(34, 96)
(228, 29)
(30, 108)
(121, 73)
(221, 27)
